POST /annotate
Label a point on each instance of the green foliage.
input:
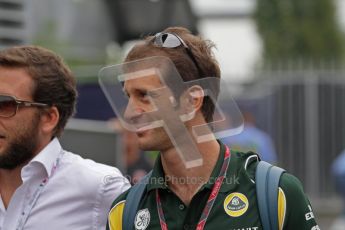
(85, 67)
(299, 30)
(47, 37)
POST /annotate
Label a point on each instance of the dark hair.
(54, 83)
(201, 50)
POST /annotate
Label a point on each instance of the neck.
(10, 180)
(186, 182)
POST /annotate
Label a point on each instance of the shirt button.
(181, 207)
(186, 227)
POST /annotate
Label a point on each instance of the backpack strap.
(132, 202)
(267, 179)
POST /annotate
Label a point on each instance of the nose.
(132, 112)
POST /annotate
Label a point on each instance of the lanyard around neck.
(27, 209)
(210, 201)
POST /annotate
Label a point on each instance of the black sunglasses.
(9, 105)
(171, 40)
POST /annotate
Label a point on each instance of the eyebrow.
(141, 90)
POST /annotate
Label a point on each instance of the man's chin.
(145, 144)
(10, 164)
(15, 156)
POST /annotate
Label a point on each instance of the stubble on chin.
(156, 140)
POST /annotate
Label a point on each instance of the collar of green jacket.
(157, 179)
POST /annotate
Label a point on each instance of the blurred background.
(282, 60)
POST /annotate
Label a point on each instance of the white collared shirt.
(78, 195)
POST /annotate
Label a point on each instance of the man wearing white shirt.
(41, 185)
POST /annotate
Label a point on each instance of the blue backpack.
(267, 179)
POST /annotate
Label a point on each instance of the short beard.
(22, 149)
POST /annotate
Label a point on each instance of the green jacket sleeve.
(299, 213)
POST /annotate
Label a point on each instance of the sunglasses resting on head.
(171, 40)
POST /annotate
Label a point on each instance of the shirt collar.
(157, 180)
(43, 160)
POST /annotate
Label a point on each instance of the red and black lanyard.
(210, 201)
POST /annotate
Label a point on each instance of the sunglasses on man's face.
(9, 105)
(171, 40)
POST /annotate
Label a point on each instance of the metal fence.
(13, 29)
(304, 112)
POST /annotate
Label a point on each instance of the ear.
(195, 96)
(191, 102)
(49, 120)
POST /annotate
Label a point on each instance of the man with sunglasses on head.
(223, 196)
(43, 186)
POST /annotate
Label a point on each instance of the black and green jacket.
(238, 192)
